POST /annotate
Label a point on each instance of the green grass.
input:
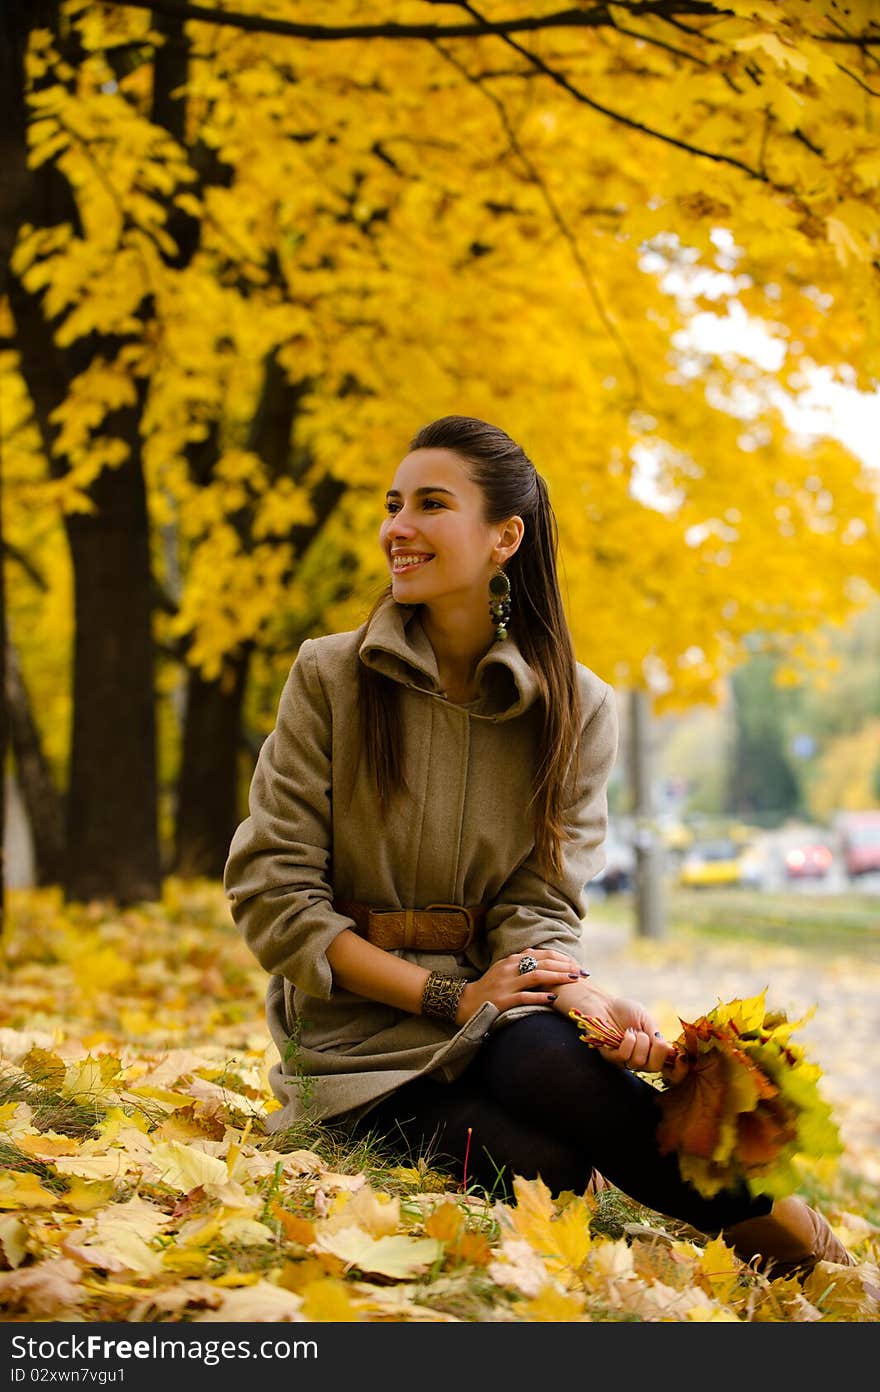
(846, 923)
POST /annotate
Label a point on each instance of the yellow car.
(711, 863)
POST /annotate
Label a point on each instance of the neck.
(459, 636)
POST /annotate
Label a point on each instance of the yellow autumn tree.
(360, 223)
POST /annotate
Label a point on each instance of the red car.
(860, 843)
(808, 862)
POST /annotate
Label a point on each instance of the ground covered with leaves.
(139, 1181)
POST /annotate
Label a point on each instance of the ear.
(509, 538)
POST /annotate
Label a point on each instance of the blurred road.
(679, 980)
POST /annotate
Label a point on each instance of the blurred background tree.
(807, 747)
(761, 775)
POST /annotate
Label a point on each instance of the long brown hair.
(511, 486)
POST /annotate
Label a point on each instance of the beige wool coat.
(462, 835)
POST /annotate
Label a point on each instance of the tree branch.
(598, 17)
(714, 155)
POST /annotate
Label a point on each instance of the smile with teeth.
(409, 562)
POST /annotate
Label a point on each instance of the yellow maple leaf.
(186, 1261)
(13, 1239)
(85, 1195)
(399, 1257)
(44, 1067)
(534, 1208)
(552, 1305)
(328, 1299)
(377, 1213)
(261, 1302)
(185, 1167)
(22, 1189)
(296, 1229)
(114, 1165)
(115, 1121)
(168, 1099)
(88, 1080)
(563, 1241)
(445, 1223)
(407, 1174)
(718, 1269)
(46, 1144)
(15, 1118)
(711, 1314)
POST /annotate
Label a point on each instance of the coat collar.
(395, 644)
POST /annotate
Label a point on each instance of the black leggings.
(540, 1102)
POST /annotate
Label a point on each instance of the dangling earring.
(499, 603)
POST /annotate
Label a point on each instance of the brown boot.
(789, 1241)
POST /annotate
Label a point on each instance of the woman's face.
(434, 536)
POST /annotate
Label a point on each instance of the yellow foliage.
(719, 1271)
(22, 1189)
(328, 1299)
(562, 1240)
(554, 1306)
(845, 775)
(405, 239)
(132, 1220)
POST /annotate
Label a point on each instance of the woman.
(424, 820)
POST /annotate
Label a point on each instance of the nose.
(399, 525)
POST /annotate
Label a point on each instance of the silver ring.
(527, 963)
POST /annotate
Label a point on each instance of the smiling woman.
(424, 820)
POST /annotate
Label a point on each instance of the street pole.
(647, 843)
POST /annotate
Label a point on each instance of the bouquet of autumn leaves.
(746, 1104)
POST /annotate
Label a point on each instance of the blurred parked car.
(860, 842)
(757, 868)
(675, 835)
(717, 862)
(810, 861)
(618, 874)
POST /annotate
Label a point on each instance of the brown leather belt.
(437, 928)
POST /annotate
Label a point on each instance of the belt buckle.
(466, 915)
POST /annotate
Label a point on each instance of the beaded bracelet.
(441, 996)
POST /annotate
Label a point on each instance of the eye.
(433, 502)
(390, 506)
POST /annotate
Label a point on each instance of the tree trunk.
(112, 831)
(16, 22)
(43, 803)
(207, 812)
(112, 826)
(207, 796)
(208, 778)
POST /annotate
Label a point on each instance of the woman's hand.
(642, 1048)
(504, 985)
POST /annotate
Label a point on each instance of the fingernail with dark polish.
(657, 1034)
(583, 973)
(551, 997)
(573, 976)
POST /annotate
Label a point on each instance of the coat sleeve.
(540, 908)
(276, 874)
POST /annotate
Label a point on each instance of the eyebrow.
(420, 492)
